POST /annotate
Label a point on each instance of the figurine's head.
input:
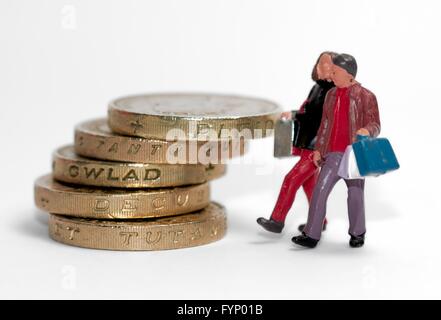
(323, 67)
(344, 70)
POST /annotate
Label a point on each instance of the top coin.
(188, 116)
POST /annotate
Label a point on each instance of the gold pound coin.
(95, 203)
(94, 139)
(71, 168)
(215, 171)
(189, 230)
(193, 116)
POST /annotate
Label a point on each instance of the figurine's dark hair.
(314, 75)
(347, 62)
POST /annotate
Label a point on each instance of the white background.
(62, 61)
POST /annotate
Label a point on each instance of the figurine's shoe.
(271, 225)
(305, 241)
(356, 241)
(301, 227)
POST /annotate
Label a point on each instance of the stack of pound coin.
(139, 180)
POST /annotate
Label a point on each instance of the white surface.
(62, 61)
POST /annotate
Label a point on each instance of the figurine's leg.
(309, 184)
(356, 212)
(317, 210)
(308, 187)
(302, 171)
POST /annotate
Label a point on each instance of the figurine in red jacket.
(305, 172)
(349, 110)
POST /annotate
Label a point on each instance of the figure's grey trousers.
(317, 210)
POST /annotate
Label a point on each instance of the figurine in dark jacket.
(307, 122)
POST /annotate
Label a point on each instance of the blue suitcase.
(374, 156)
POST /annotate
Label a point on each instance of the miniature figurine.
(305, 172)
(349, 110)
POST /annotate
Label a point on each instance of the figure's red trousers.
(304, 174)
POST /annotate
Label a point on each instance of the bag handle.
(361, 137)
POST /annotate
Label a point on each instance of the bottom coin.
(189, 230)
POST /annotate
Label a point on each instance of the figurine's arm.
(302, 107)
(295, 113)
(324, 127)
(371, 115)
